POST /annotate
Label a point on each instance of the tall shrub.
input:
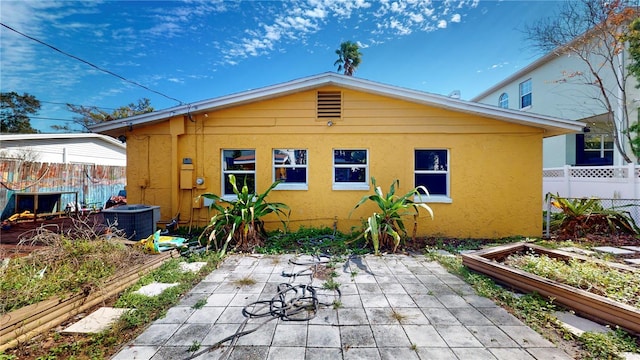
(239, 222)
(386, 228)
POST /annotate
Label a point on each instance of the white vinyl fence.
(605, 182)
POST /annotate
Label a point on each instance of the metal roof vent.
(329, 104)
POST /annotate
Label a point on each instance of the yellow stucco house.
(325, 136)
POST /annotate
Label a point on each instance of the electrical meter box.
(186, 174)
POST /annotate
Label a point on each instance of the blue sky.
(196, 50)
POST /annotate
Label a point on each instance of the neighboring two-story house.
(560, 85)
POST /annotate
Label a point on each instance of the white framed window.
(290, 167)
(598, 149)
(525, 94)
(431, 170)
(242, 164)
(503, 101)
(350, 169)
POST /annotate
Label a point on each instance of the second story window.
(503, 101)
(525, 94)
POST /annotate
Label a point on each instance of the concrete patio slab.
(97, 321)
(193, 267)
(154, 289)
(392, 307)
(578, 325)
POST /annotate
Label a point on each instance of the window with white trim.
(431, 170)
(503, 101)
(242, 164)
(525, 94)
(290, 167)
(350, 169)
(597, 149)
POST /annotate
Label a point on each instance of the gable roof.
(551, 126)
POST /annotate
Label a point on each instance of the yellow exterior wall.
(495, 167)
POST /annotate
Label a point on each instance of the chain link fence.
(629, 206)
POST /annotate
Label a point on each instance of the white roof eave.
(552, 126)
(108, 139)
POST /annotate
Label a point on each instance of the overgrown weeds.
(538, 313)
(313, 241)
(80, 261)
(618, 285)
(64, 266)
(144, 310)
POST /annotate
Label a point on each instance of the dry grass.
(80, 260)
(245, 281)
(398, 316)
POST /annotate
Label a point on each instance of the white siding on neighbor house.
(90, 150)
(556, 92)
(553, 146)
(551, 94)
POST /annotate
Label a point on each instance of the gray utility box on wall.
(137, 221)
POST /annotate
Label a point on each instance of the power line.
(92, 65)
(48, 118)
(92, 106)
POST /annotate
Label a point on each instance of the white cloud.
(139, 30)
(28, 59)
(316, 13)
(299, 19)
(498, 65)
(399, 28)
(416, 17)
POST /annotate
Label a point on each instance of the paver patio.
(392, 307)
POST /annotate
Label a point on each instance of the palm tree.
(348, 57)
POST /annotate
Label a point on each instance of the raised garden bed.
(592, 306)
(25, 323)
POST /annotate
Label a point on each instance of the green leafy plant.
(200, 304)
(386, 229)
(239, 222)
(539, 313)
(331, 284)
(195, 346)
(608, 345)
(584, 216)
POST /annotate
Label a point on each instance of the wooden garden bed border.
(25, 323)
(592, 306)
